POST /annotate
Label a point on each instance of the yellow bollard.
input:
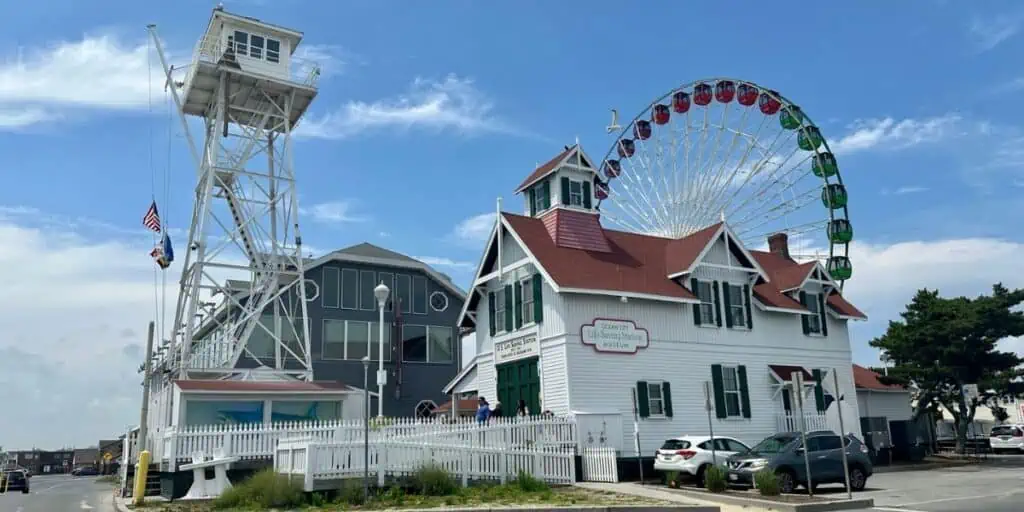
(141, 469)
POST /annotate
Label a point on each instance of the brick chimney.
(778, 243)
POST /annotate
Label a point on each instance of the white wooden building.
(576, 319)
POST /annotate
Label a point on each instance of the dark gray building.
(421, 338)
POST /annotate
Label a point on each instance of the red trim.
(635, 326)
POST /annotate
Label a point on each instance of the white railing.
(600, 465)
(257, 440)
(790, 422)
(301, 71)
(312, 461)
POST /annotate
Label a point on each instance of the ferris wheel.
(728, 149)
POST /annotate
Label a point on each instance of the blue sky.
(429, 111)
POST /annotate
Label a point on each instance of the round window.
(438, 301)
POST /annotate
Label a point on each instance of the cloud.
(95, 72)
(446, 262)
(904, 190)
(890, 134)
(452, 104)
(472, 233)
(332, 59)
(986, 34)
(335, 212)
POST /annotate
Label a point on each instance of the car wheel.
(787, 481)
(700, 476)
(858, 479)
(24, 491)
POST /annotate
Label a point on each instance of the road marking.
(960, 498)
(85, 506)
(891, 509)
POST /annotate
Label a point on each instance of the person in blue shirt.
(483, 412)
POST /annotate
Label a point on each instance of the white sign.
(619, 336)
(516, 348)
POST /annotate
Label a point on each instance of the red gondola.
(660, 114)
(725, 91)
(681, 102)
(612, 168)
(600, 190)
(702, 94)
(642, 130)
(770, 103)
(626, 148)
(746, 94)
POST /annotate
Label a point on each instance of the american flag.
(152, 218)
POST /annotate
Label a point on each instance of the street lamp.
(381, 293)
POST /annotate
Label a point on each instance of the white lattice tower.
(245, 216)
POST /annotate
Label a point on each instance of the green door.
(519, 380)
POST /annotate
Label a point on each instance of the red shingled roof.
(681, 253)
(258, 386)
(575, 230)
(843, 307)
(544, 169)
(634, 264)
(864, 378)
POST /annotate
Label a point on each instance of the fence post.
(307, 477)
(382, 457)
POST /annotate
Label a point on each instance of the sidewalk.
(656, 492)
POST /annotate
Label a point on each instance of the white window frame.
(737, 392)
(499, 311)
(526, 300)
(369, 338)
(576, 198)
(262, 46)
(706, 307)
(538, 198)
(737, 301)
(814, 319)
(240, 48)
(324, 342)
(655, 386)
(276, 54)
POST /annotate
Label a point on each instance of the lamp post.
(381, 293)
(366, 429)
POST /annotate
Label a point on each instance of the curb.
(119, 504)
(821, 506)
(582, 508)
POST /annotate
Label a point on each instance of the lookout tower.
(250, 92)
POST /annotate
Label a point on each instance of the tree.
(1000, 414)
(941, 344)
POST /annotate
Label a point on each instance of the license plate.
(734, 476)
(1004, 438)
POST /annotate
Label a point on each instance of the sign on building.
(506, 351)
(618, 336)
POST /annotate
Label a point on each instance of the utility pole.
(147, 368)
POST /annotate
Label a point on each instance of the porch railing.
(791, 422)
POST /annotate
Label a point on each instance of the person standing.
(521, 409)
(497, 411)
(483, 411)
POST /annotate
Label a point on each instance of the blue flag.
(168, 250)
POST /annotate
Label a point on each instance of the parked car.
(784, 454)
(14, 480)
(691, 455)
(1007, 438)
(85, 471)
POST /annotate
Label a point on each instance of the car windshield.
(675, 444)
(1004, 430)
(771, 445)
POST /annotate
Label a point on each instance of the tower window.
(575, 193)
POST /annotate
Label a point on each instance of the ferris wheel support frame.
(656, 205)
(276, 268)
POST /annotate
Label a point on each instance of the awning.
(784, 373)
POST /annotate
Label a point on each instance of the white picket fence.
(790, 422)
(259, 441)
(600, 465)
(324, 465)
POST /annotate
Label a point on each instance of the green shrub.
(265, 489)
(351, 492)
(432, 480)
(672, 478)
(528, 483)
(714, 479)
(767, 482)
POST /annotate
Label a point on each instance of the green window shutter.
(787, 402)
(819, 392)
(508, 308)
(546, 193)
(490, 312)
(696, 307)
(643, 403)
(749, 298)
(718, 308)
(565, 191)
(586, 194)
(666, 397)
(533, 201)
(803, 318)
(726, 292)
(716, 384)
(821, 313)
(538, 299)
(741, 372)
(517, 292)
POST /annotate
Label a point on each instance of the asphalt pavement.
(60, 493)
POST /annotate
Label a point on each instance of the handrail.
(301, 71)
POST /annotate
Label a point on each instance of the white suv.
(1007, 438)
(691, 455)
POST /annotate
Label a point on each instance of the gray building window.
(349, 288)
(426, 344)
(419, 295)
(404, 292)
(389, 280)
(367, 301)
(331, 287)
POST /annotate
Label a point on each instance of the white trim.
(339, 392)
(577, 148)
(447, 389)
(529, 254)
(761, 306)
(724, 229)
(630, 295)
(480, 268)
(843, 317)
(430, 301)
(484, 279)
(807, 278)
(738, 392)
(388, 262)
(660, 384)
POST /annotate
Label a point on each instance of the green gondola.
(840, 268)
(809, 138)
(791, 117)
(834, 196)
(824, 165)
(840, 231)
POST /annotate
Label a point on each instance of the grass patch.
(109, 479)
(265, 489)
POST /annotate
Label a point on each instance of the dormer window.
(814, 323)
(255, 46)
(575, 193)
(273, 51)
